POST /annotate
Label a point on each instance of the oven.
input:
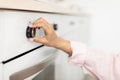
(22, 59)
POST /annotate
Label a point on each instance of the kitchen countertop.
(33, 5)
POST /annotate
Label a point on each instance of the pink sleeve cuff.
(79, 51)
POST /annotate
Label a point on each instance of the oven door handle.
(20, 55)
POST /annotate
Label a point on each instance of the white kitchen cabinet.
(13, 24)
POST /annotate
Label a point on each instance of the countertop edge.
(32, 5)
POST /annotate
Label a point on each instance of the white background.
(105, 22)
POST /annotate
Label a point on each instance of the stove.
(22, 59)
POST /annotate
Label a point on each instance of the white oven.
(21, 59)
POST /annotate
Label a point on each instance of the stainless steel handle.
(21, 75)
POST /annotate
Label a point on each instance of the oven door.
(31, 66)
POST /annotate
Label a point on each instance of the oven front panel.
(13, 26)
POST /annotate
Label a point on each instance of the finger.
(47, 24)
(42, 23)
(39, 23)
(41, 20)
(43, 26)
(38, 20)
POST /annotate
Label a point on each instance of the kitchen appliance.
(22, 59)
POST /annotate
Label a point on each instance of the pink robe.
(98, 64)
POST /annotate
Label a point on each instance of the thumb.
(38, 39)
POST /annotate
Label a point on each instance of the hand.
(50, 38)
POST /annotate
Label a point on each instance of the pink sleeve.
(98, 64)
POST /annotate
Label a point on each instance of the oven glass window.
(47, 73)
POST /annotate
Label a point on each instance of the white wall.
(105, 22)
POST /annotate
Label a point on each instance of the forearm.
(63, 45)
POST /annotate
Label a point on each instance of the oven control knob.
(30, 32)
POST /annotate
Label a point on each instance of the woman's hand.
(50, 38)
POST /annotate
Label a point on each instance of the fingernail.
(31, 39)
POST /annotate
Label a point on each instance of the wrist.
(63, 45)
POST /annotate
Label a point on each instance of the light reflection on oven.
(45, 74)
(44, 70)
(33, 76)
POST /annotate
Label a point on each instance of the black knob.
(55, 26)
(30, 32)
